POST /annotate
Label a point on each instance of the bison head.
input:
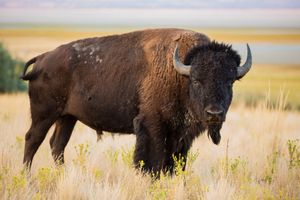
(212, 69)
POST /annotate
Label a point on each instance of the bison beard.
(214, 132)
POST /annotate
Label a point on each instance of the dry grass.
(253, 161)
(264, 80)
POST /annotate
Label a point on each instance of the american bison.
(166, 86)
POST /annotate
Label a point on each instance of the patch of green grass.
(112, 155)
(127, 156)
(17, 184)
(271, 167)
(46, 178)
(294, 153)
(82, 152)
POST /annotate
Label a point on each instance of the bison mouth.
(214, 132)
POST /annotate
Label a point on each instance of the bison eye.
(196, 83)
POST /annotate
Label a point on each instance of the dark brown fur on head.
(215, 47)
(214, 69)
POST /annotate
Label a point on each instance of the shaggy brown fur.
(127, 83)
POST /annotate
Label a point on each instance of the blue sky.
(177, 4)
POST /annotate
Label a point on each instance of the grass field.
(258, 158)
(269, 80)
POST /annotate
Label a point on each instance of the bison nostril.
(214, 115)
(215, 112)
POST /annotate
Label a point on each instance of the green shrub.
(294, 153)
(112, 155)
(127, 156)
(17, 184)
(10, 70)
(82, 152)
(271, 167)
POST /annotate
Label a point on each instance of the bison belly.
(103, 103)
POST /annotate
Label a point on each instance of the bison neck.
(185, 124)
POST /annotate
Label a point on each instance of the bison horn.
(178, 65)
(242, 70)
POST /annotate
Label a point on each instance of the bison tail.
(30, 75)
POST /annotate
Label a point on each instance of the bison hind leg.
(35, 136)
(61, 136)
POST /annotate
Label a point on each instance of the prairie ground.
(258, 158)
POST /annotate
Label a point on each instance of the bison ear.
(178, 65)
(242, 70)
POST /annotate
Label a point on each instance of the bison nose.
(214, 114)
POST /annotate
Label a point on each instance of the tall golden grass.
(258, 158)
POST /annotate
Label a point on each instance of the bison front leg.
(176, 154)
(149, 152)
